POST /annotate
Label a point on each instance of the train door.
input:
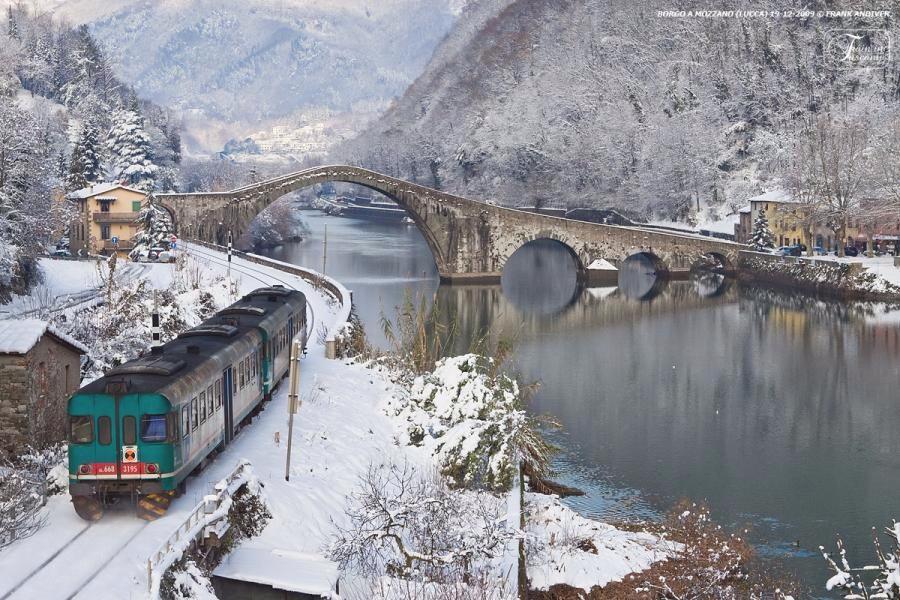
(127, 454)
(106, 462)
(228, 401)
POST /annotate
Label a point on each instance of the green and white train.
(145, 426)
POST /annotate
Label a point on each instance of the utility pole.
(155, 329)
(293, 402)
(325, 250)
(229, 254)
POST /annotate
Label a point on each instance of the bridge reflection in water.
(779, 410)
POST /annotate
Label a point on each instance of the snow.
(601, 264)
(20, 335)
(99, 188)
(280, 569)
(555, 533)
(777, 195)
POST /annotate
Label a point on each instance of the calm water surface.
(779, 411)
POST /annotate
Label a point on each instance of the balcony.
(110, 217)
(122, 245)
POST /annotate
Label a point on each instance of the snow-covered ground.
(341, 429)
(883, 266)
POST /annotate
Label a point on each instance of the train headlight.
(84, 469)
(152, 469)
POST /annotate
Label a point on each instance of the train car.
(140, 430)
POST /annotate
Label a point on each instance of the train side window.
(185, 421)
(241, 373)
(247, 369)
(195, 414)
(81, 430)
(234, 381)
(154, 428)
(218, 394)
(202, 407)
(129, 430)
(104, 431)
(210, 401)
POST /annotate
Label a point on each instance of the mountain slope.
(245, 62)
(598, 102)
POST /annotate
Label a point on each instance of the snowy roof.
(773, 196)
(281, 569)
(98, 188)
(18, 336)
(744, 210)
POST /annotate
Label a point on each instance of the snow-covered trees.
(131, 150)
(470, 417)
(413, 527)
(24, 487)
(761, 237)
(85, 165)
(607, 104)
(155, 228)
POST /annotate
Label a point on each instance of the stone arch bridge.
(469, 239)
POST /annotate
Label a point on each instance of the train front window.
(104, 431)
(81, 430)
(129, 431)
(153, 428)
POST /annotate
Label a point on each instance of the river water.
(779, 411)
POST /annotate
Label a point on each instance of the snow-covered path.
(338, 432)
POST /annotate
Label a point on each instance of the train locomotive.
(140, 430)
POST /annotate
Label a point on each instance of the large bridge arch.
(470, 240)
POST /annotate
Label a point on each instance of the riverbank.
(841, 278)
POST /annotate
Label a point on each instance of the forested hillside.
(231, 65)
(608, 103)
(66, 121)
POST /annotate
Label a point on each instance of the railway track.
(54, 577)
(256, 274)
(50, 578)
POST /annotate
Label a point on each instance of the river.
(777, 410)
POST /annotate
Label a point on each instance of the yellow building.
(786, 222)
(105, 219)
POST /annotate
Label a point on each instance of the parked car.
(851, 251)
(789, 251)
(819, 251)
(61, 252)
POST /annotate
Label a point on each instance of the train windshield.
(153, 428)
(81, 430)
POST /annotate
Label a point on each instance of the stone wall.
(823, 277)
(34, 390)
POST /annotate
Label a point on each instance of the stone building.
(105, 219)
(39, 369)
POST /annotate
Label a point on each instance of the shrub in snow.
(190, 583)
(880, 580)
(409, 527)
(471, 418)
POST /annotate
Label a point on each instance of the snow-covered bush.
(881, 580)
(25, 483)
(119, 329)
(471, 418)
(406, 526)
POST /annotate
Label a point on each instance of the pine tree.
(761, 239)
(131, 150)
(85, 166)
(154, 228)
